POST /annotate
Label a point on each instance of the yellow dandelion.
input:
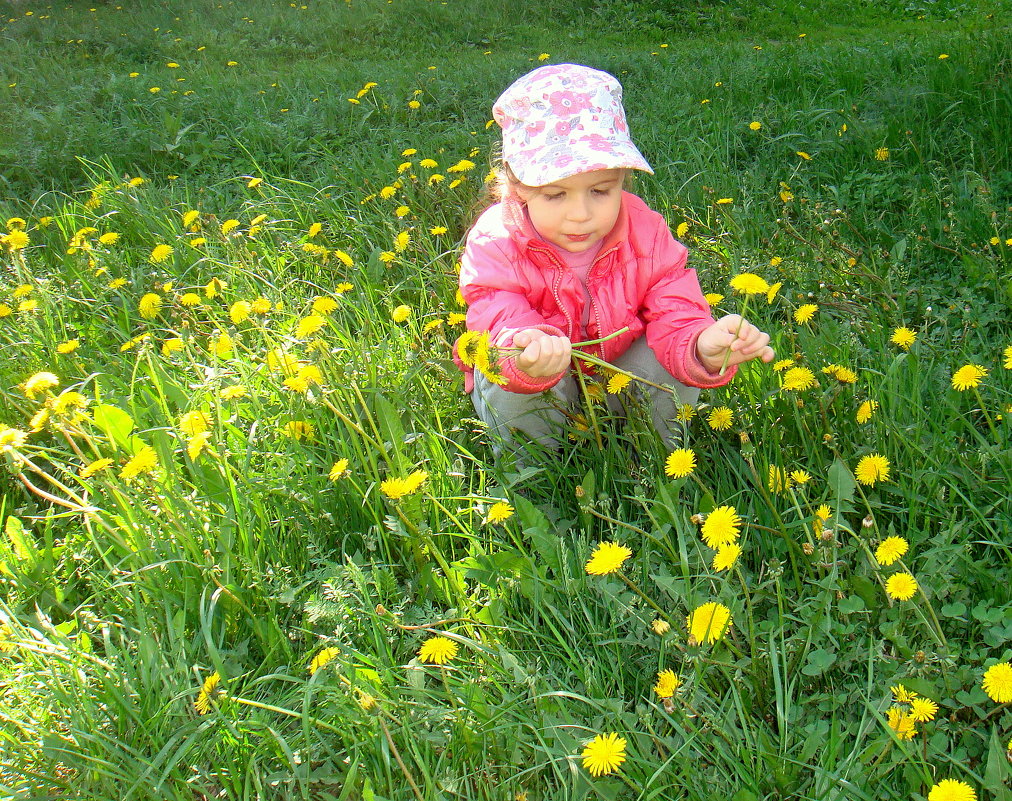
(891, 549)
(997, 682)
(923, 710)
(309, 325)
(607, 558)
(749, 284)
(604, 754)
(726, 557)
(160, 253)
(968, 377)
(709, 622)
(667, 684)
(951, 789)
(866, 410)
(438, 650)
(12, 438)
(778, 479)
(40, 382)
(901, 586)
(240, 311)
(680, 463)
(872, 469)
(720, 419)
(901, 723)
(299, 430)
(401, 313)
(798, 379)
(143, 462)
(805, 313)
(150, 305)
(207, 692)
(322, 659)
(499, 512)
(721, 527)
(903, 338)
(92, 468)
(618, 382)
(68, 347)
(197, 444)
(395, 488)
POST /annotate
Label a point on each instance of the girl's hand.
(720, 337)
(543, 355)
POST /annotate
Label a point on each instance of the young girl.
(568, 256)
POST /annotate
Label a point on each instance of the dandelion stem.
(632, 586)
(741, 322)
(400, 762)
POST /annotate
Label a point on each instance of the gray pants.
(540, 417)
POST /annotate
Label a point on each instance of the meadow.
(255, 545)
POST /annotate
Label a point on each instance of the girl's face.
(576, 213)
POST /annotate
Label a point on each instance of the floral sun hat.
(562, 120)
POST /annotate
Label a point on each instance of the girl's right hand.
(543, 355)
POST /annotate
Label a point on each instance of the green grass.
(121, 598)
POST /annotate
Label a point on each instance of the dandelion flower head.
(997, 682)
(749, 284)
(901, 586)
(680, 463)
(438, 650)
(901, 723)
(968, 377)
(608, 557)
(726, 557)
(872, 469)
(667, 683)
(709, 622)
(923, 710)
(891, 549)
(499, 512)
(721, 527)
(903, 338)
(604, 754)
(720, 419)
(952, 790)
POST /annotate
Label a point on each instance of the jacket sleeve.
(497, 302)
(677, 313)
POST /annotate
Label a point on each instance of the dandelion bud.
(868, 522)
(697, 519)
(827, 438)
(743, 437)
(808, 548)
(692, 642)
(669, 705)
(381, 610)
(660, 627)
(579, 492)
(826, 535)
(920, 656)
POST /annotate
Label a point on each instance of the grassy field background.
(242, 490)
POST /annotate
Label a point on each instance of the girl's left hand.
(724, 335)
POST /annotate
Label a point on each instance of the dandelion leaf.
(997, 772)
(537, 527)
(24, 548)
(117, 425)
(841, 482)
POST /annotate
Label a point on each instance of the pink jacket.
(512, 280)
